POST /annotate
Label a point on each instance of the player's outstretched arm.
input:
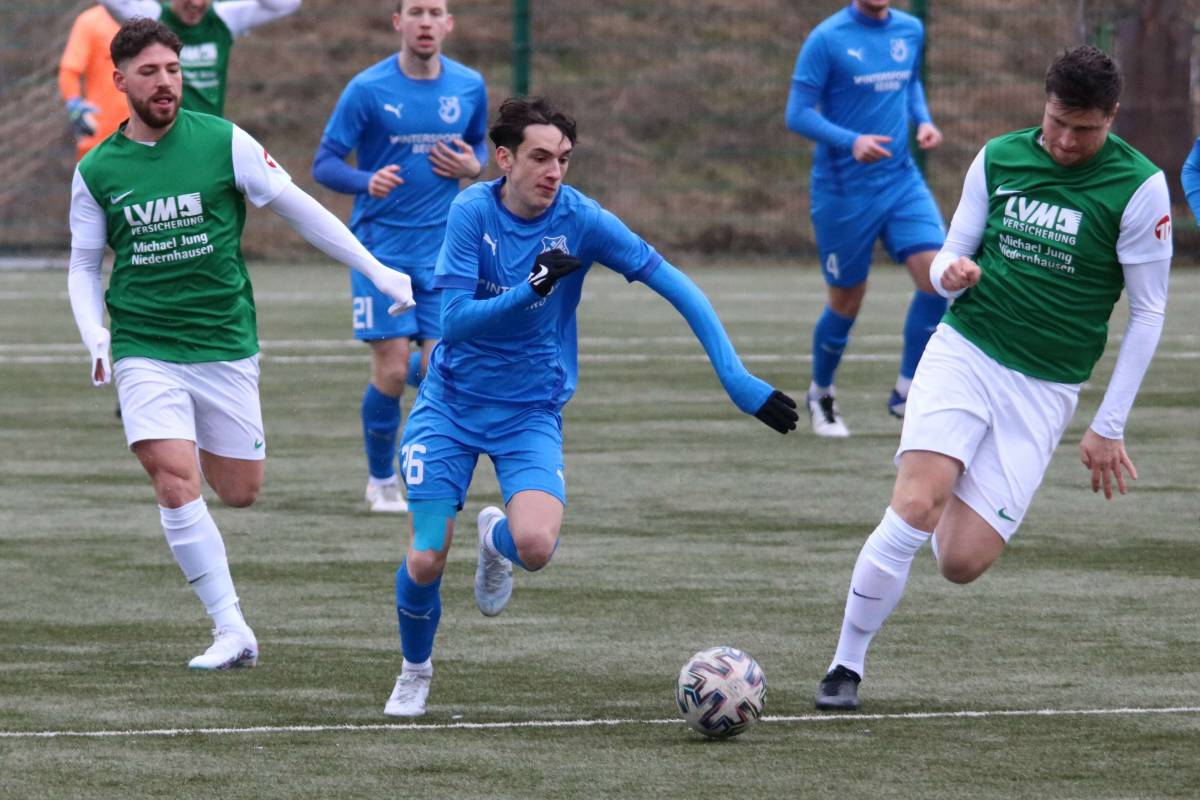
(241, 16)
(124, 10)
(749, 393)
(327, 233)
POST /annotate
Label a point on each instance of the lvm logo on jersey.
(1045, 220)
(164, 213)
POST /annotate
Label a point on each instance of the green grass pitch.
(689, 525)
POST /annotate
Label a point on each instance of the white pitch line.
(592, 723)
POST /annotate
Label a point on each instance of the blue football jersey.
(488, 250)
(866, 74)
(389, 118)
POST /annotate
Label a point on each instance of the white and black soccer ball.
(721, 692)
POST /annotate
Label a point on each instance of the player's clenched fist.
(398, 287)
(549, 267)
(963, 273)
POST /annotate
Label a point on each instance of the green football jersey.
(1050, 270)
(204, 60)
(179, 289)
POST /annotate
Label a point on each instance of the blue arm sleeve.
(1191, 180)
(918, 109)
(331, 170)
(464, 317)
(802, 118)
(747, 392)
(476, 133)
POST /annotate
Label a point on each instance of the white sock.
(424, 668)
(876, 586)
(821, 391)
(389, 481)
(200, 552)
(903, 384)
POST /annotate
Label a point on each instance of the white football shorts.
(214, 404)
(1001, 424)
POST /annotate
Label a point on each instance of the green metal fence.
(680, 102)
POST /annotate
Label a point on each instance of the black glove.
(549, 267)
(779, 412)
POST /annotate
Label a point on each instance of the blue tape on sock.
(429, 523)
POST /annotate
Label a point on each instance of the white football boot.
(231, 647)
(386, 498)
(409, 694)
(826, 421)
(493, 574)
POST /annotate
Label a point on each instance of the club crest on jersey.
(449, 109)
(1046, 220)
(1162, 229)
(551, 243)
(899, 49)
(164, 209)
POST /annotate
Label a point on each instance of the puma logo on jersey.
(114, 199)
(490, 242)
(1056, 223)
(164, 209)
(857, 52)
(393, 109)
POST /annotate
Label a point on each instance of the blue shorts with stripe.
(903, 214)
(443, 441)
(370, 308)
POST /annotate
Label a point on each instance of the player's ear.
(119, 80)
(396, 18)
(505, 158)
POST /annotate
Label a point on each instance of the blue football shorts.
(370, 308)
(904, 214)
(442, 443)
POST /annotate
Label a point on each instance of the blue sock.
(380, 422)
(414, 369)
(418, 608)
(829, 342)
(503, 542)
(924, 314)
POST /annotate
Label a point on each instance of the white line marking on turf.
(593, 723)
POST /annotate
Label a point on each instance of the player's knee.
(919, 509)
(239, 496)
(960, 567)
(390, 379)
(536, 547)
(426, 566)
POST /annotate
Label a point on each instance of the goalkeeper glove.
(549, 268)
(778, 412)
(82, 115)
(398, 287)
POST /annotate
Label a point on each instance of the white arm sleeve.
(255, 173)
(966, 229)
(123, 10)
(1146, 287)
(242, 15)
(85, 289)
(1146, 224)
(324, 231)
(89, 230)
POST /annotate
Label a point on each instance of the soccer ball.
(721, 692)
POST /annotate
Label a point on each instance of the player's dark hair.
(1085, 78)
(139, 33)
(518, 113)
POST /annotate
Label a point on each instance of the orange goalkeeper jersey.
(86, 71)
